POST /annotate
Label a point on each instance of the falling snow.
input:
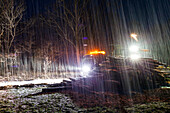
(49, 42)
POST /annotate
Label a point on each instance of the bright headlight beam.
(86, 68)
(135, 56)
(134, 48)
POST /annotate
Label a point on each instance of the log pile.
(120, 76)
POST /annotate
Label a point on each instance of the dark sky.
(147, 12)
(36, 7)
(143, 10)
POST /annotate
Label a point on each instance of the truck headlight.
(134, 48)
(86, 68)
(135, 56)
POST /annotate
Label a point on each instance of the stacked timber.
(121, 76)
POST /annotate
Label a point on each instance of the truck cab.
(92, 60)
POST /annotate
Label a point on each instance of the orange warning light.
(145, 50)
(97, 52)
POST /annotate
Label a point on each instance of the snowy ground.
(18, 101)
(36, 81)
(49, 78)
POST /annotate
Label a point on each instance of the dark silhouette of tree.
(68, 22)
(11, 15)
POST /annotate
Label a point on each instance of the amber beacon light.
(97, 52)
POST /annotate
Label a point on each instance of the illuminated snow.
(36, 81)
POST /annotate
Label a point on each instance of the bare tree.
(27, 44)
(11, 15)
(46, 55)
(69, 23)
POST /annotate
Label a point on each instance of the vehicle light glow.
(145, 50)
(97, 52)
(86, 68)
(135, 56)
(134, 48)
(134, 36)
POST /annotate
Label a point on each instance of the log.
(55, 89)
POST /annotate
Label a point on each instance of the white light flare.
(135, 56)
(86, 68)
(134, 48)
(134, 36)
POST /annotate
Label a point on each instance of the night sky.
(132, 9)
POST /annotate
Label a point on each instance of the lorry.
(93, 59)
